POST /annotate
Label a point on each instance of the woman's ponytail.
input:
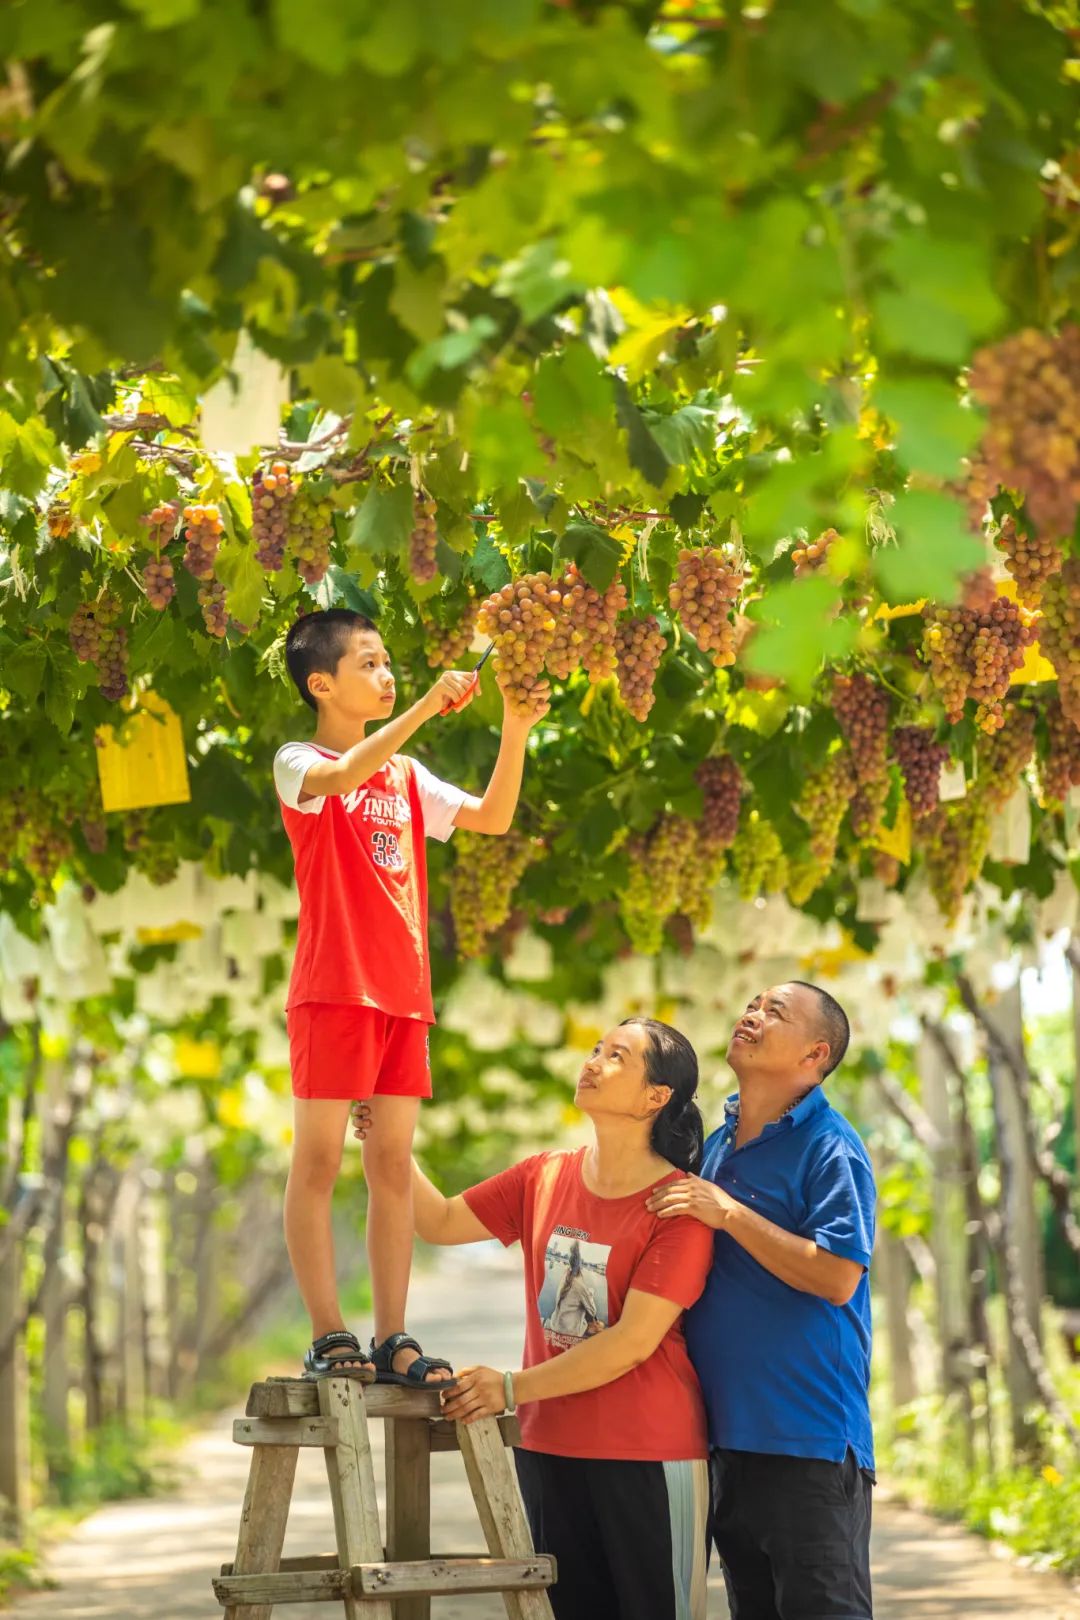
(678, 1134)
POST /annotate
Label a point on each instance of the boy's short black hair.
(317, 642)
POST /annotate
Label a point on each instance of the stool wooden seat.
(375, 1583)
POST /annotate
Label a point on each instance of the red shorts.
(348, 1052)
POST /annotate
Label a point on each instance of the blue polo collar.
(810, 1105)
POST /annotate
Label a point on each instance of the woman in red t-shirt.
(612, 1462)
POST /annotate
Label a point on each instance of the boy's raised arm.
(327, 777)
(494, 813)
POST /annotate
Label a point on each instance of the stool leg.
(352, 1489)
(263, 1521)
(408, 1502)
(498, 1502)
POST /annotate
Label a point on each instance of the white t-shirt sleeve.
(439, 800)
(291, 764)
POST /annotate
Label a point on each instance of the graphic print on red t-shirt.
(362, 877)
(574, 1299)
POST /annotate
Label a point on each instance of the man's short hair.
(835, 1028)
(317, 642)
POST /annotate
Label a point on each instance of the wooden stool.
(284, 1414)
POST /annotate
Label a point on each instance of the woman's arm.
(480, 1391)
(439, 1219)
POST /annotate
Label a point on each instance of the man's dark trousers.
(794, 1535)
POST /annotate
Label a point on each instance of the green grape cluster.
(639, 647)
(1059, 767)
(486, 873)
(758, 857)
(705, 586)
(423, 541)
(44, 846)
(1059, 634)
(920, 758)
(823, 804)
(311, 530)
(1031, 558)
(1029, 385)
(806, 874)
(1002, 758)
(954, 840)
(157, 860)
(521, 619)
(446, 644)
(97, 638)
(973, 653)
(661, 880)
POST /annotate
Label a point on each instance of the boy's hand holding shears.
(456, 704)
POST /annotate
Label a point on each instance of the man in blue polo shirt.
(781, 1336)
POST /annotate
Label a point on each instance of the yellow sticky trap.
(175, 934)
(899, 610)
(896, 840)
(829, 964)
(146, 765)
(197, 1060)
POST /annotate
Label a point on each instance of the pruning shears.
(471, 688)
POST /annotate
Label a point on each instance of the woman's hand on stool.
(480, 1392)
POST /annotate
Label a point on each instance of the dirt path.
(152, 1560)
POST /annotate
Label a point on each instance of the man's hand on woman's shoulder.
(701, 1200)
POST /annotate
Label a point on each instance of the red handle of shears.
(452, 708)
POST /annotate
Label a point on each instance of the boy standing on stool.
(359, 1005)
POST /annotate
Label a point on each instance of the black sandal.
(416, 1378)
(318, 1364)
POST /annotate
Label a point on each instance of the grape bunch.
(806, 874)
(1059, 633)
(823, 803)
(311, 529)
(706, 584)
(920, 758)
(660, 880)
(811, 558)
(1002, 758)
(585, 628)
(639, 647)
(446, 643)
(156, 860)
(272, 496)
(45, 846)
(482, 884)
(212, 602)
(758, 857)
(868, 809)
(721, 784)
(521, 620)
(1030, 558)
(97, 639)
(862, 713)
(954, 840)
(973, 654)
(203, 527)
(1030, 386)
(1059, 768)
(95, 833)
(159, 582)
(59, 520)
(423, 541)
